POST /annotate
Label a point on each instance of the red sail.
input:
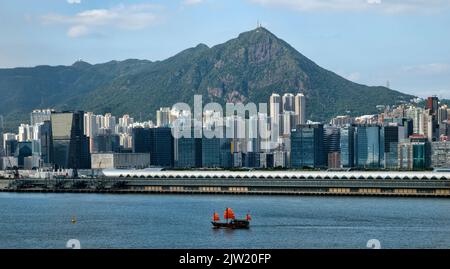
(228, 214)
(248, 217)
(216, 217)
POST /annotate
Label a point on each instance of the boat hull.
(234, 224)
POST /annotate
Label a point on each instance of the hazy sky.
(368, 41)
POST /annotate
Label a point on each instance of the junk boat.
(231, 221)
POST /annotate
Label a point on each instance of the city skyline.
(403, 137)
(408, 36)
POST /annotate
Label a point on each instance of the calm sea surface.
(183, 221)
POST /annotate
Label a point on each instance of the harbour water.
(34, 220)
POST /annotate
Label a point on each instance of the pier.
(426, 184)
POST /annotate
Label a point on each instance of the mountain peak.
(248, 68)
(81, 64)
(258, 32)
(202, 46)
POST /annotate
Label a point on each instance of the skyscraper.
(188, 152)
(414, 153)
(106, 142)
(307, 147)
(90, 126)
(46, 142)
(70, 145)
(332, 144)
(391, 136)
(162, 148)
(347, 138)
(142, 140)
(275, 106)
(110, 122)
(289, 119)
(158, 142)
(300, 108)
(211, 152)
(432, 104)
(368, 146)
(40, 115)
(163, 117)
(288, 102)
(23, 150)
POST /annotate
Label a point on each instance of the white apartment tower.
(275, 106)
(300, 108)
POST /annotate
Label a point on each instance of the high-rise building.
(275, 106)
(163, 117)
(90, 124)
(431, 126)
(40, 115)
(307, 147)
(142, 140)
(289, 120)
(211, 152)
(10, 147)
(238, 159)
(300, 108)
(162, 149)
(347, 145)
(25, 133)
(417, 116)
(46, 142)
(391, 136)
(414, 153)
(106, 142)
(188, 152)
(158, 142)
(332, 136)
(368, 146)
(340, 121)
(288, 102)
(252, 160)
(432, 104)
(226, 157)
(279, 159)
(110, 122)
(70, 145)
(126, 121)
(442, 114)
(334, 160)
(440, 154)
(23, 150)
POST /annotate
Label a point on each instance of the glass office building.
(162, 147)
(368, 146)
(211, 152)
(70, 145)
(307, 146)
(188, 152)
(158, 142)
(347, 140)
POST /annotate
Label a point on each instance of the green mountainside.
(248, 68)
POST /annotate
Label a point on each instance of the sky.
(405, 42)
